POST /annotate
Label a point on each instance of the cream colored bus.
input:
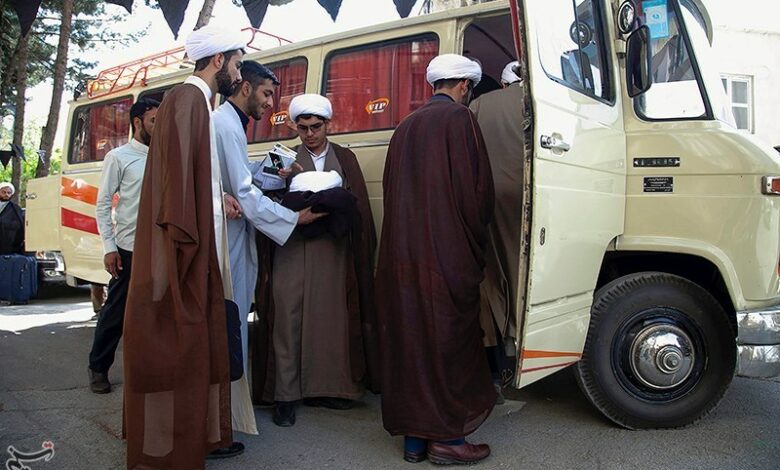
(651, 246)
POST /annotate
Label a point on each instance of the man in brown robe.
(501, 115)
(177, 384)
(438, 200)
(321, 308)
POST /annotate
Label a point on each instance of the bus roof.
(169, 64)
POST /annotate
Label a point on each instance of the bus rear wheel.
(660, 352)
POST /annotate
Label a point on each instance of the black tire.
(646, 310)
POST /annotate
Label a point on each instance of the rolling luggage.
(18, 278)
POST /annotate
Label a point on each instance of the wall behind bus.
(754, 55)
(746, 44)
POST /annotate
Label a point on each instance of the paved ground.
(44, 397)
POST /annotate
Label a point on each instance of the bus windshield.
(685, 85)
(697, 30)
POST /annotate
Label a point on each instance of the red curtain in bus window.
(109, 126)
(376, 87)
(272, 126)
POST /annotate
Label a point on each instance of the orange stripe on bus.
(536, 354)
(78, 221)
(79, 190)
(534, 369)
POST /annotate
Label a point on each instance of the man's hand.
(232, 207)
(286, 172)
(306, 216)
(113, 263)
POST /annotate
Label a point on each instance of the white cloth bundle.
(316, 181)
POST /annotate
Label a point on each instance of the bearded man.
(177, 380)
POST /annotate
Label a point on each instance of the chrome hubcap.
(662, 356)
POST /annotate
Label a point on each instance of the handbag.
(234, 343)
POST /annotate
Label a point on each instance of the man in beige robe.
(502, 117)
(322, 286)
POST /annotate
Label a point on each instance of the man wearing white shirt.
(123, 174)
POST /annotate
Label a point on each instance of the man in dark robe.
(502, 116)
(11, 222)
(177, 381)
(438, 201)
(321, 290)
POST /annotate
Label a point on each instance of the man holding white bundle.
(321, 307)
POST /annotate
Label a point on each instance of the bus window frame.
(73, 127)
(164, 89)
(400, 40)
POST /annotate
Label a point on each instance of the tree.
(27, 61)
(21, 89)
(205, 14)
(60, 66)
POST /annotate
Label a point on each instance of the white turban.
(310, 103)
(8, 185)
(509, 75)
(211, 40)
(453, 66)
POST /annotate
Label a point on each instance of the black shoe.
(413, 457)
(236, 448)
(98, 382)
(284, 413)
(330, 402)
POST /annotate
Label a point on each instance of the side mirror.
(638, 62)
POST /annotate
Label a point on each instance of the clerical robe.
(502, 118)
(11, 228)
(177, 384)
(317, 331)
(257, 212)
(438, 200)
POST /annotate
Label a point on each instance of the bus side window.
(572, 48)
(374, 87)
(99, 128)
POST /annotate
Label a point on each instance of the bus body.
(651, 226)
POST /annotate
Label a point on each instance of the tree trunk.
(205, 14)
(60, 67)
(21, 89)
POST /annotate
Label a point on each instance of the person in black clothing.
(11, 222)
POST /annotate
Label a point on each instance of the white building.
(747, 46)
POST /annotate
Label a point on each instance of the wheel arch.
(696, 269)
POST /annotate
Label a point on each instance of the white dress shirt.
(123, 175)
(319, 160)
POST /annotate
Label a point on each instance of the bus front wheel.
(660, 352)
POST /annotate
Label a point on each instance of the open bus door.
(578, 171)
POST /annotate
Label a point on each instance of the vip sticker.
(277, 119)
(377, 106)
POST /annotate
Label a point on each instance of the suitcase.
(18, 278)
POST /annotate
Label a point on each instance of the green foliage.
(91, 26)
(32, 136)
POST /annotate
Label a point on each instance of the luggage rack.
(139, 72)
